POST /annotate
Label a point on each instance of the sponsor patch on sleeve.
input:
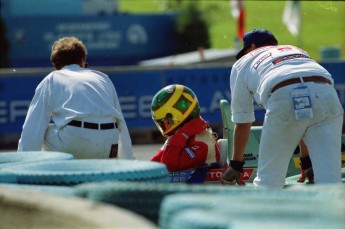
(190, 152)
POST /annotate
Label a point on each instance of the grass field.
(323, 22)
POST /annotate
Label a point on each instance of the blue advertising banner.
(135, 89)
(111, 40)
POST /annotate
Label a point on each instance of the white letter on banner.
(128, 106)
(3, 112)
(145, 106)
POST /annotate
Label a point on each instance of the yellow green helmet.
(172, 106)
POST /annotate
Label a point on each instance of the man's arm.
(240, 138)
(233, 174)
(306, 165)
(37, 119)
(125, 150)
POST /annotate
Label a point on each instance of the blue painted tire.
(269, 205)
(16, 158)
(145, 198)
(72, 172)
(7, 177)
(215, 219)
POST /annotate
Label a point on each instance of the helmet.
(172, 106)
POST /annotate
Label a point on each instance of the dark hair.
(66, 51)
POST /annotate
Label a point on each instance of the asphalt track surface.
(145, 152)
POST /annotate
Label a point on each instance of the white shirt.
(73, 93)
(255, 74)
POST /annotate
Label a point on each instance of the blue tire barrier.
(7, 177)
(72, 172)
(206, 219)
(145, 198)
(15, 158)
(258, 207)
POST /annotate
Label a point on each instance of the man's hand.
(232, 175)
(307, 168)
(309, 173)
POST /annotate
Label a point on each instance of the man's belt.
(95, 126)
(316, 79)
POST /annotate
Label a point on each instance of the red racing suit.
(191, 145)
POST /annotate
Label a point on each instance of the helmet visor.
(164, 124)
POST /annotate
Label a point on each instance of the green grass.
(323, 22)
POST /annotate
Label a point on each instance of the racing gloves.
(306, 170)
(232, 175)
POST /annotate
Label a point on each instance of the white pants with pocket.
(281, 134)
(82, 143)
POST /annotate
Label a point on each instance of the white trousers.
(281, 134)
(82, 143)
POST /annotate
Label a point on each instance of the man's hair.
(66, 51)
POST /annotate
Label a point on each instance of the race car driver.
(190, 141)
